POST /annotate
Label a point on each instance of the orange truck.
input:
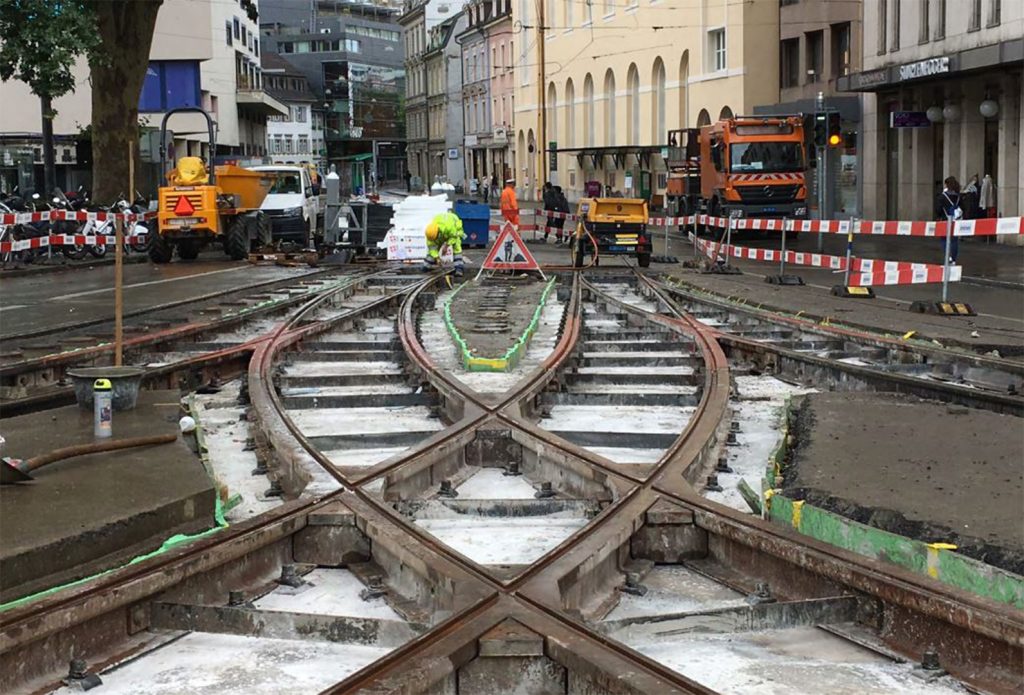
(750, 165)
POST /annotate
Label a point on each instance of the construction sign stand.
(509, 252)
(944, 307)
(784, 278)
(845, 290)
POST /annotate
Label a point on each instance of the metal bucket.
(124, 380)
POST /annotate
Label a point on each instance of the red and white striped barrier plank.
(864, 272)
(72, 216)
(63, 240)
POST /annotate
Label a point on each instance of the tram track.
(646, 515)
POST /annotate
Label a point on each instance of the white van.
(292, 204)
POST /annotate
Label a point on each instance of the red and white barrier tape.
(63, 240)
(864, 272)
(72, 216)
(983, 227)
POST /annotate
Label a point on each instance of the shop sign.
(471, 140)
(924, 68)
(909, 119)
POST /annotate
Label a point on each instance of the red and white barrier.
(53, 240)
(864, 272)
(72, 216)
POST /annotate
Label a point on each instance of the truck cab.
(754, 166)
(292, 204)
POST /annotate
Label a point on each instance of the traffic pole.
(849, 254)
(118, 291)
(945, 260)
(782, 249)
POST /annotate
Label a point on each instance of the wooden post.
(119, 264)
(118, 291)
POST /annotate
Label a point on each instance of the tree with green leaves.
(39, 41)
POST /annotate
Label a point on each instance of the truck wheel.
(237, 241)
(264, 231)
(188, 250)
(644, 260)
(577, 253)
(158, 248)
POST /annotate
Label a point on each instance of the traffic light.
(820, 129)
(835, 137)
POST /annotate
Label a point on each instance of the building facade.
(297, 137)
(476, 91)
(615, 77)
(216, 66)
(352, 57)
(416, 20)
(501, 46)
(444, 101)
(942, 96)
(820, 43)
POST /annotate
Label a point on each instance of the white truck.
(293, 204)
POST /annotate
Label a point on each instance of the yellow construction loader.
(198, 206)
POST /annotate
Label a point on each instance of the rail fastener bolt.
(712, 484)
(762, 594)
(447, 490)
(374, 589)
(236, 598)
(723, 465)
(275, 489)
(545, 492)
(633, 585)
(512, 469)
(731, 440)
(79, 678)
(290, 576)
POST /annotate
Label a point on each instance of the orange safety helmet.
(432, 231)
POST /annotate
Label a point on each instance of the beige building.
(214, 64)
(952, 68)
(620, 73)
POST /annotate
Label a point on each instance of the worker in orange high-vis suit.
(509, 204)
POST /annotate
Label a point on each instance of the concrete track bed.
(919, 469)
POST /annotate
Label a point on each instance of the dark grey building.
(352, 56)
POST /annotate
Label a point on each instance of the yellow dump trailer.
(197, 207)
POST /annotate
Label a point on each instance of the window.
(632, 106)
(789, 63)
(299, 114)
(227, 29)
(658, 122)
(588, 110)
(940, 20)
(995, 12)
(609, 107)
(245, 36)
(568, 12)
(170, 84)
(494, 60)
(303, 144)
(815, 42)
(895, 25)
(923, 13)
(766, 156)
(841, 59)
(883, 11)
(238, 28)
(716, 49)
(974, 21)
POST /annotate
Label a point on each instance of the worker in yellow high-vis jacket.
(444, 230)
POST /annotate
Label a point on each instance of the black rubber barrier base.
(943, 308)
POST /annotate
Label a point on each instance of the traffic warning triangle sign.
(184, 206)
(509, 252)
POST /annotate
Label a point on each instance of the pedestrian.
(445, 230)
(494, 184)
(562, 206)
(474, 186)
(947, 207)
(408, 178)
(548, 198)
(509, 204)
(485, 192)
(987, 197)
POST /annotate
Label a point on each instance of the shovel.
(14, 470)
